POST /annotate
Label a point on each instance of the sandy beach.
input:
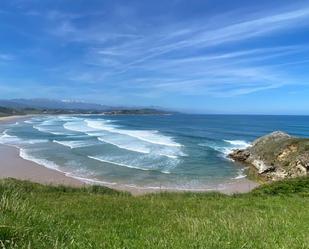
(12, 165)
(9, 119)
(15, 118)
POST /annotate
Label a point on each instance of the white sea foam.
(51, 165)
(126, 165)
(227, 147)
(142, 148)
(171, 156)
(47, 130)
(51, 126)
(14, 140)
(92, 181)
(149, 136)
(67, 118)
(240, 174)
(75, 144)
(34, 120)
(31, 121)
(23, 153)
(221, 149)
(123, 141)
(132, 147)
(238, 143)
(35, 141)
(5, 138)
(79, 126)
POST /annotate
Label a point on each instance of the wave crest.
(107, 133)
(127, 165)
(75, 144)
(150, 136)
(226, 146)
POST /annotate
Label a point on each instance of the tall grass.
(37, 216)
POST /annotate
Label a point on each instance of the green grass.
(36, 216)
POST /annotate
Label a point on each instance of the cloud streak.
(185, 54)
(129, 51)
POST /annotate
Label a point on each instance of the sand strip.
(12, 165)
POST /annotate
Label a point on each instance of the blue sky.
(209, 56)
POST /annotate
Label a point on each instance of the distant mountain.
(71, 106)
(53, 104)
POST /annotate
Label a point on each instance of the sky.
(202, 56)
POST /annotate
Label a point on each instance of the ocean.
(177, 151)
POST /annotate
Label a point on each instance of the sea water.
(150, 151)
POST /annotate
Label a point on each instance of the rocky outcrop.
(276, 156)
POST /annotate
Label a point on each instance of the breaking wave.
(149, 136)
(226, 146)
(127, 165)
(124, 141)
(75, 144)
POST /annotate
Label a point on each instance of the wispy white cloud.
(198, 38)
(227, 57)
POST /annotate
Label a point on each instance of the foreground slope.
(37, 216)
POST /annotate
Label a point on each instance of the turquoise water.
(153, 151)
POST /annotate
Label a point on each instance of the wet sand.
(12, 165)
(9, 119)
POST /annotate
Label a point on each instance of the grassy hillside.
(282, 152)
(36, 216)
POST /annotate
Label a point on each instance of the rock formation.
(276, 156)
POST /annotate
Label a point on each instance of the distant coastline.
(54, 107)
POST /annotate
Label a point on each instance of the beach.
(12, 165)
(10, 119)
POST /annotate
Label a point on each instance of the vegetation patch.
(38, 216)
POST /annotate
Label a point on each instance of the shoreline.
(15, 166)
(9, 119)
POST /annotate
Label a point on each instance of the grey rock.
(276, 156)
